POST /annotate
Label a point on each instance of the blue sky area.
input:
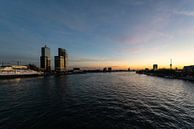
(98, 33)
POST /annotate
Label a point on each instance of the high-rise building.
(155, 67)
(45, 59)
(59, 63)
(61, 52)
(61, 60)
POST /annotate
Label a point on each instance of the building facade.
(59, 63)
(61, 60)
(45, 59)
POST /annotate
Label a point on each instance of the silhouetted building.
(189, 68)
(109, 69)
(155, 67)
(59, 63)
(105, 69)
(45, 59)
(76, 69)
(61, 52)
(61, 60)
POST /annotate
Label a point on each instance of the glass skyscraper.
(61, 60)
(45, 59)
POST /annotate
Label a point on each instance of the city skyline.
(120, 34)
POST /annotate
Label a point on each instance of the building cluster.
(186, 69)
(109, 69)
(60, 61)
(155, 66)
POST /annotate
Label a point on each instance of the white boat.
(17, 71)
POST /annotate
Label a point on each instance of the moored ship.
(17, 71)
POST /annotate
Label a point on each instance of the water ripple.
(96, 101)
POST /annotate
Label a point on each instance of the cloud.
(148, 31)
(184, 12)
(132, 2)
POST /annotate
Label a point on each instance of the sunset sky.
(98, 33)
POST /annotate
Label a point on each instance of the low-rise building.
(188, 68)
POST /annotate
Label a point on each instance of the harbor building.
(61, 60)
(45, 59)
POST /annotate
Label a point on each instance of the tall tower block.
(45, 59)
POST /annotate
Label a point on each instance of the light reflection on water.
(96, 101)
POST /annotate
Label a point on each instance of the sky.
(99, 33)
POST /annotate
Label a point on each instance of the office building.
(61, 60)
(61, 52)
(59, 63)
(45, 59)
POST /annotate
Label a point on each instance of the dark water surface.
(96, 101)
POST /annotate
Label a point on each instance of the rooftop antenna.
(170, 63)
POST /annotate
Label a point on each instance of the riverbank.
(19, 76)
(12, 76)
(167, 73)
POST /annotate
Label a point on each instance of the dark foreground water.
(96, 101)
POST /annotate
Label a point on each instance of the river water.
(96, 101)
